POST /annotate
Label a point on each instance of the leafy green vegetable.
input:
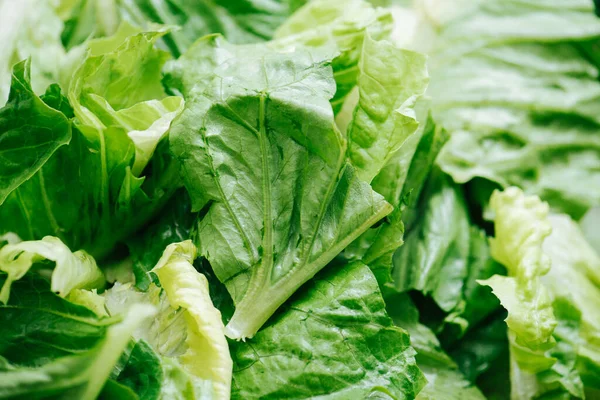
(444, 380)
(76, 270)
(333, 340)
(188, 328)
(282, 200)
(172, 226)
(337, 199)
(119, 123)
(342, 26)
(66, 351)
(244, 21)
(30, 29)
(520, 100)
(543, 323)
(30, 132)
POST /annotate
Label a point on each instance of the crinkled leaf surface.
(444, 380)
(340, 26)
(519, 98)
(333, 340)
(66, 350)
(188, 328)
(258, 143)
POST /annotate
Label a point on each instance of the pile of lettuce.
(292, 199)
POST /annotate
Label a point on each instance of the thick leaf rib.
(258, 141)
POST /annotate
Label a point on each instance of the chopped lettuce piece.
(444, 379)
(341, 27)
(67, 350)
(121, 119)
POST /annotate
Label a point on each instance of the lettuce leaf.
(333, 340)
(520, 100)
(30, 30)
(118, 156)
(444, 380)
(245, 21)
(30, 132)
(187, 332)
(341, 27)
(262, 155)
(77, 270)
(66, 352)
(543, 325)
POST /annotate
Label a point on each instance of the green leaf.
(30, 132)
(262, 148)
(574, 279)
(333, 340)
(390, 82)
(126, 181)
(143, 372)
(543, 322)
(187, 330)
(444, 380)
(341, 26)
(66, 351)
(435, 257)
(521, 226)
(31, 30)
(520, 100)
(173, 225)
(76, 270)
(245, 21)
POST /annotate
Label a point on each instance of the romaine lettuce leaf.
(73, 270)
(544, 326)
(187, 330)
(333, 340)
(174, 224)
(262, 155)
(118, 158)
(383, 141)
(241, 21)
(341, 26)
(444, 380)
(520, 99)
(389, 83)
(30, 132)
(30, 30)
(67, 351)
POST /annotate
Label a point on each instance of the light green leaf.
(339, 26)
(112, 96)
(390, 82)
(30, 132)
(518, 98)
(334, 340)
(188, 327)
(257, 139)
(76, 270)
(30, 30)
(521, 225)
